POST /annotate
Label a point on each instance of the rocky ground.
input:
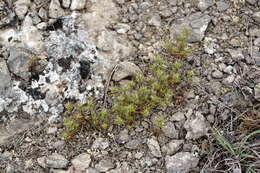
(56, 51)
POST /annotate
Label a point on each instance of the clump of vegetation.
(180, 48)
(159, 123)
(240, 154)
(134, 101)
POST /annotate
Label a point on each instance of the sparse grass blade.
(242, 146)
(224, 143)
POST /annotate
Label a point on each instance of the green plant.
(134, 101)
(239, 151)
(159, 123)
(180, 48)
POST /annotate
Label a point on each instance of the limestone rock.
(181, 162)
(55, 9)
(77, 4)
(257, 92)
(125, 69)
(66, 3)
(81, 162)
(53, 161)
(196, 23)
(21, 8)
(205, 4)
(19, 62)
(5, 78)
(196, 127)
(256, 16)
(104, 165)
(154, 147)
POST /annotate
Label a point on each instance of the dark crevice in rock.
(65, 63)
(84, 69)
(35, 93)
(57, 24)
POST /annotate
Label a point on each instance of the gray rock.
(236, 54)
(52, 130)
(257, 42)
(56, 161)
(229, 80)
(10, 169)
(133, 144)
(6, 155)
(5, 78)
(100, 143)
(145, 5)
(155, 20)
(178, 116)
(19, 62)
(172, 2)
(81, 162)
(125, 69)
(58, 144)
(154, 147)
(123, 136)
(172, 147)
(55, 9)
(170, 131)
(30, 36)
(15, 126)
(7, 20)
(181, 162)
(120, 1)
(91, 170)
(122, 28)
(42, 26)
(222, 5)
(205, 4)
(252, 2)
(196, 23)
(196, 127)
(257, 92)
(254, 32)
(217, 74)
(104, 165)
(21, 8)
(35, 18)
(105, 41)
(139, 155)
(43, 14)
(77, 4)
(66, 3)
(166, 13)
(209, 45)
(256, 16)
(256, 56)
(230, 70)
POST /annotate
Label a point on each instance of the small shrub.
(180, 48)
(159, 123)
(136, 100)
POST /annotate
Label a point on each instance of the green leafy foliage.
(240, 151)
(135, 100)
(159, 123)
(180, 48)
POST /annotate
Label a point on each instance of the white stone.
(181, 162)
(196, 127)
(66, 3)
(154, 147)
(21, 8)
(81, 162)
(77, 4)
(55, 9)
